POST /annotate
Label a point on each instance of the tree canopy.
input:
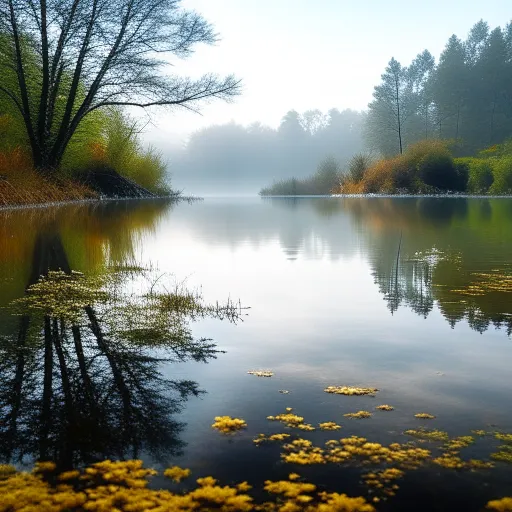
(61, 60)
(465, 97)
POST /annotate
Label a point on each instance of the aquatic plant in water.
(123, 486)
(506, 438)
(262, 438)
(491, 282)
(350, 390)
(292, 420)
(424, 416)
(504, 454)
(62, 295)
(430, 435)
(329, 425)
(358, 415)
(228, 425)
(503, 505)
(261, 373)
(385, 407)
(176, 473)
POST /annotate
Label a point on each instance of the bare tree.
(68, 58)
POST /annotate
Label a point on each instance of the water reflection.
(81, 354)
(447, 244)
(452, 250)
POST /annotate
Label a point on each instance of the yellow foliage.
(503, 505)
(176, 473)
(431, 435)
(228, 425)
(350, 390)
(358, 415)
(506, 438)
(424, 416)
(385, 407)
(502, 456)
(329, 425)
(262, 438)
(389, 175)
(292, 420)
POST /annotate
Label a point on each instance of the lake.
(409, 296)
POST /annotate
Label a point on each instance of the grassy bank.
(428, 167)
(425, 168)
(105, 160)
(20, 185)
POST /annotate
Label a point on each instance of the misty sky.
(307, 54)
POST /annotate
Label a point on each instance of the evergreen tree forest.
(466, 96)
(437, 126)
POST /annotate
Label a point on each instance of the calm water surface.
(410, 296)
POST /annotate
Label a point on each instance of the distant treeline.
(235, 158)
(424, 116)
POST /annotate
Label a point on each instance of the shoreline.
(53, 204)
(392, 196)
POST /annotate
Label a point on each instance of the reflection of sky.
(313, 274)
(316, 320)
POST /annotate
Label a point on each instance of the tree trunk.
(398, 115)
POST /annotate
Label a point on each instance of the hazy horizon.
(314, 56)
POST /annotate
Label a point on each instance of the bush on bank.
(429, 167)
(109, 140)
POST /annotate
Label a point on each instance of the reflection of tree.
(79, 378)
(409, 283)
(91, 234)
(447, 244)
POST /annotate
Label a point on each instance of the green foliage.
(103, 137)
(466, 96)
(438, 171)
(502, 172)
(123, 151)
(480, 174)
(357, 166)
(81, 150)
(462, 176)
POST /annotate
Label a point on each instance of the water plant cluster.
(124, 485)
(383, 466)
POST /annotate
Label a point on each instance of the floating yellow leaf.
(358, 415)
(228, 425)
(350, 390)
(385, 407)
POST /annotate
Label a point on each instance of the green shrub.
(502, 172)
(404, 175)
(326, 177)
(438, 170)
(462, 177)
(357, 166)
(480, 176)
(123, 152)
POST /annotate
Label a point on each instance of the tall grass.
(123, 151)
(21, 185)
(104, 140)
